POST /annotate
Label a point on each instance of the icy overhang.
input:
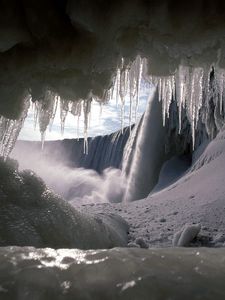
(73, 48)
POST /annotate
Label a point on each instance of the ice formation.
(193, 89)
(32, 215)
(76, 49)
(119, 273)
(198, 94)
(9, 131)
(186, 235)
(127, 83)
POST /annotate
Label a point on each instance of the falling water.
(146, 152)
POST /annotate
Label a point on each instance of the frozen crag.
(29, 273)
(31, 215)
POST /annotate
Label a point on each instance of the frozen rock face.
(31, 215)
(29, 273)
(103, 151)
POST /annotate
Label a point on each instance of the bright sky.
(101, 123)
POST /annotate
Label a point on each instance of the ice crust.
(119, 273)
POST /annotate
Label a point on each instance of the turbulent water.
(148, 154)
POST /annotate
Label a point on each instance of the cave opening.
(131, 207)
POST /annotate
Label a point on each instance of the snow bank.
(31, 215)
(194, 197)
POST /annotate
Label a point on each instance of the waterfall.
(145, 152)
(104, 151)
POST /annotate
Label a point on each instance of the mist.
(77, 185)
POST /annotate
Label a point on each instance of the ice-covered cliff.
(103, 151)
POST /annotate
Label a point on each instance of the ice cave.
(133, 208)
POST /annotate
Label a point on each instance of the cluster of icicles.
(189, 87)
(193, 89)
(126, 84)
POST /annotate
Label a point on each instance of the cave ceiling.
(74, 47)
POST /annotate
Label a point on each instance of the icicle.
(117, 87)
(139, 70)
(56, 102)
(130, 111)
(181, 90)
(64, 108)
(220, 82)
(166, 89)
(45, 111)
(76, 109)
(127, 83)
(78, 128)
(86, 110)
(35, 108)
(123, 92)
(42, 140)
(10, 129)
(186, 87)
(166, 93)
(100, 111)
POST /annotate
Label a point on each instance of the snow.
(196, 196)
(185, 194)
(179, 48)
(32, 215)
(186, 235)
(9, 131)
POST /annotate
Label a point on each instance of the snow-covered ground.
(183, 195)
(197, 196)
(185, 208)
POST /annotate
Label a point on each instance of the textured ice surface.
(30, 273)
(9, 131)
(31, 215)
(186, 235)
